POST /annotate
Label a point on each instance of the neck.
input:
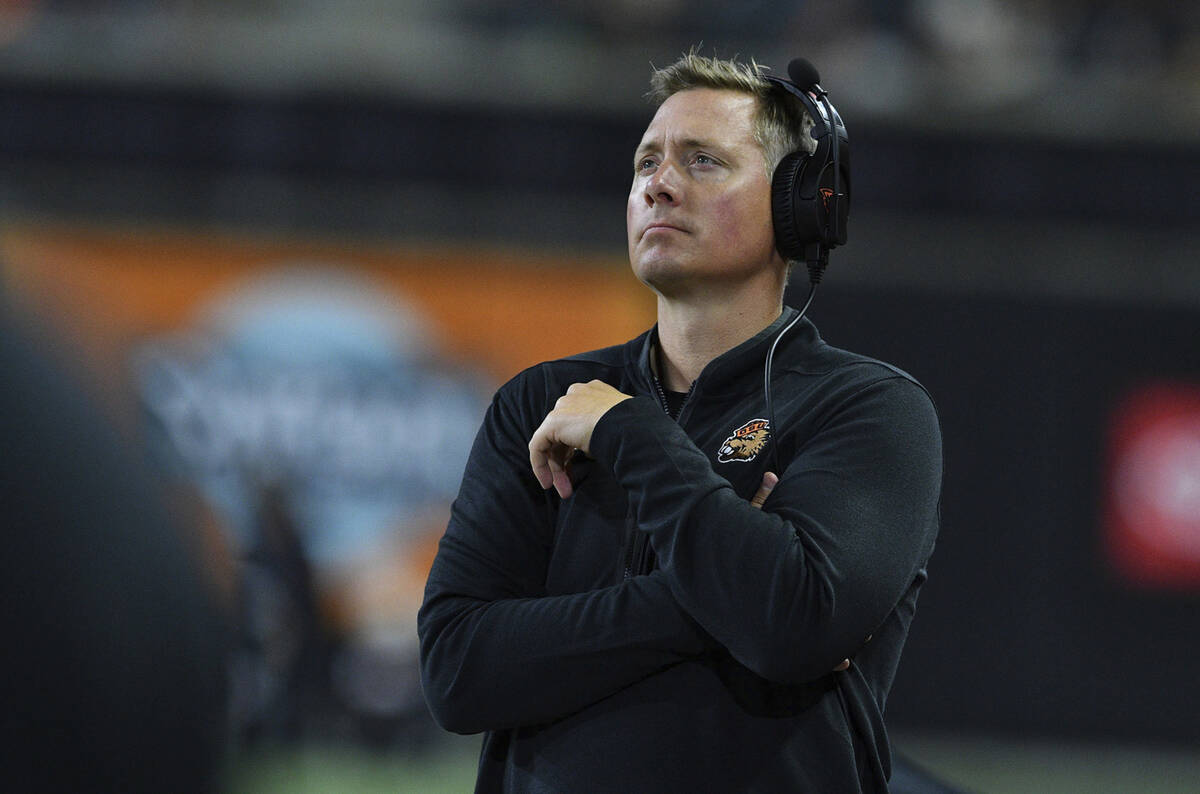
(693, 333)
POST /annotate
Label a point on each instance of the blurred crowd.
(1155, 35)
(894, 57)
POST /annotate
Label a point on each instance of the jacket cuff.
(606, 436)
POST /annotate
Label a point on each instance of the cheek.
(630, 222)
(745, 220)
(633, 204)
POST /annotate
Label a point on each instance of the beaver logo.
(746, 442)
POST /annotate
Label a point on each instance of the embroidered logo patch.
(745, 443)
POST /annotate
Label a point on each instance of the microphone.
(803, 73)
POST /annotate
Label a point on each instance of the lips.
(662, 226)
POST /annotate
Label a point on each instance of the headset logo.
(746, 442)
(826, 194)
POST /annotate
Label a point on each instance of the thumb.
(769, 481)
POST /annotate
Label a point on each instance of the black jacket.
(655, 632)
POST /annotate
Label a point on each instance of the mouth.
(662, 227)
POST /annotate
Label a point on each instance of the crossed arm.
(569, 426)
(497, 651)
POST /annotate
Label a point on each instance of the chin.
(660, 275)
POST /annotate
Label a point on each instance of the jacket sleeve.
(792, 589)
(496, 650)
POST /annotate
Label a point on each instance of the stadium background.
(368, 216)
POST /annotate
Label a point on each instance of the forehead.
(705, 114)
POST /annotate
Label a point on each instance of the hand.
(769, 481)
(568, 428)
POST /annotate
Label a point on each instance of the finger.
(553, 471)
(845, 665)
(562, 484)
(557, 460)
(539, 458)
(545, 454)
(769, 481)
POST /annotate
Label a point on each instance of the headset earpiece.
(810, 193)
(810, 200)
(788, 239)
(802, 196)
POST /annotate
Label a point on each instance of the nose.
(661, 187)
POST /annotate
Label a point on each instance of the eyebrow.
(686, 143)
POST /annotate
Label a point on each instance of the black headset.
(810, 193)
(810, 201)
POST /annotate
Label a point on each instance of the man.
(621, 601)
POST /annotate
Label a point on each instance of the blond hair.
(781, 124)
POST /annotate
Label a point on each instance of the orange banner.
(499, 309)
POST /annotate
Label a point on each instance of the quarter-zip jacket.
(655, 632)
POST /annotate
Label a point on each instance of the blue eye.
(644, 164)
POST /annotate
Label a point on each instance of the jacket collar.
(739, 369)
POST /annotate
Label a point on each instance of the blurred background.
(288, 249)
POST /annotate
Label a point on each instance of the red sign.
(1153, 510)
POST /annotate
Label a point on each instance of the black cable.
(812, 290)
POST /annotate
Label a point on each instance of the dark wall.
(1024, 625)
(360, 141)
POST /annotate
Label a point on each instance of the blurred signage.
(1153, 511)
(314, 382)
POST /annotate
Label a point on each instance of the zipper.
(639, 554)
(629, 552)
(639, 559)
(662, 396)
(631, 545)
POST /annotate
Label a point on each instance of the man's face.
(699, 210)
